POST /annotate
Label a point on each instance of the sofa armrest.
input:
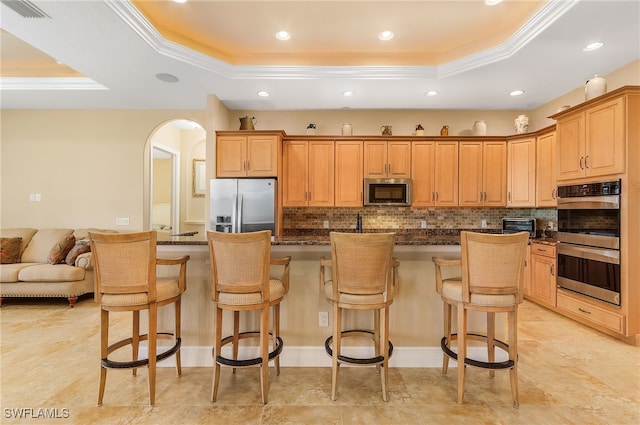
(85, 261)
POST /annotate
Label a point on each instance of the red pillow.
(60, 250)
(79, 248)
(10, 250)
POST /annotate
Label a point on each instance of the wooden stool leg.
(385, 353)
(462, 349)
(264, 353)
(376, 336)
(153, 334)
(276, 334)
(447, 334)
(337, 336)
(236, 336)
(178, 310)
(491, 337)
(513, 354)
(104, 342)
(216, 352)
(135, 339)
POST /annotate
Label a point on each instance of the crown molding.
(38, 83)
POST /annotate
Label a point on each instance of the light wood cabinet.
(308, 173)
(252, 155)
(483, 174)
(521, 172)
(591, 143)
(384, 159)
(546, 187)
(348, 173)
(543, 274)
(434, 167)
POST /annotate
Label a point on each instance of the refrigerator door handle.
(234, 214)
(239, 214)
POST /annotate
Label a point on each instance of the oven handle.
(590, 203)
(611, 256)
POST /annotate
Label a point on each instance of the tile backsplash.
(388, 218)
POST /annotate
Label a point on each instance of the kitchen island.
(416, 317)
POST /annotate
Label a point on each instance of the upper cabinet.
(384, 159)
(591, 142)
(483, 174)
(308, 173)
(348, 173)
(250, 155)
(434, 167)
(521, 172)
(546, 188)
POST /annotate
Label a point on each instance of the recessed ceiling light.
(167, 78)
(431, 93)
(347, 93)
(263, 93)
(283, 35)
(492, 2)
(516, 93)
(179, 1)
(385, 35)
(593, 46)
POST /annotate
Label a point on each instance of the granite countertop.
(410, 237)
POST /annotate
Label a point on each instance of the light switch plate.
(325, 224)
(122, 221)
(423, 224)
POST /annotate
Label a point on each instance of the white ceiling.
(119, 52)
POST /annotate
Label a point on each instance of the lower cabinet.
(527, 273)
(590, 313)
(543, 274)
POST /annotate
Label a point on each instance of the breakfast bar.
(416, 314)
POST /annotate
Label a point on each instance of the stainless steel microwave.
(392, 192)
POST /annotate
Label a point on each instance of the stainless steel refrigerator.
(243, 205)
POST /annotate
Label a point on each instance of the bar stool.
(364, 277)
(125, 280)
(492, 282)
(240, 282)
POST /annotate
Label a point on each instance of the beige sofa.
(34, 276)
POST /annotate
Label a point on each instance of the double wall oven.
(589, 232)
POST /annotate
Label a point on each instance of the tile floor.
(569, 374)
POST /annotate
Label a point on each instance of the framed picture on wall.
(199, 177)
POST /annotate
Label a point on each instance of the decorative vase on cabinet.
(522, 124)
(595, 87)
(479, 128)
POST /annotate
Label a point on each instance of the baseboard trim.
(317, 357)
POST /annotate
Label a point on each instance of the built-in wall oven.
(589, 236)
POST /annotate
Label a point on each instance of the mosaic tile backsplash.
(440, 220)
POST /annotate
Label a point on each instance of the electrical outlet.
(550, 225)
(484, 223)
(122, 221)
(323, 319)
(423, 224)
(325, 224)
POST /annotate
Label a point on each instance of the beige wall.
(87, 165)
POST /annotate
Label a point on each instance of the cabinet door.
(348, 174)
(494, 171)
(231, 156)
(399, 160)
(262, 156)
(570, 146)
(543, 284)
(375, 159)
(546, 187)
(471, 180)
(295, 173)
(321, 174)
(604, 140)
(521, 177)
(446, 174)
(422, 172)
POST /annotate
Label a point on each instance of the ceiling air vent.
(25, 8)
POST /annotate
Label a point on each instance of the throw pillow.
(60, 250)
(10, 250)
(79, 248)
